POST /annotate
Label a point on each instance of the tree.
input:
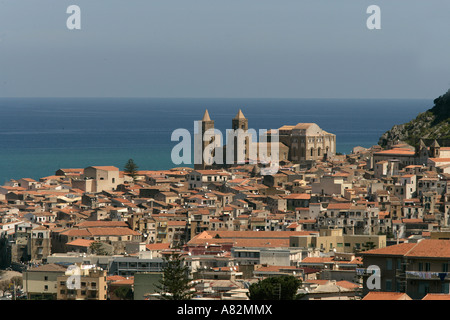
(97, 248)
(275, 288)
(369, 245)
(131, 168)
(124, 293)
(175, 284)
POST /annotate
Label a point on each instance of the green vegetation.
(131, 168)
(175, 284)
(97, 248)
(124, 293)
(275, 288)
(431, 124)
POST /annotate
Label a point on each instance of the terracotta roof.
(272, 239)
(157, 246)
(298, 196)
(51, 267)
(318, 260)
(347, 285)
(412, 220)
(106, 168)
(437, 296)
(439, 159)
(396, 151)
(80, 243)
(430, 248)
(112, 232)
(271, 268)
(98, 224)
(377, 295)
(397, 250)
(123, 282)
(114, 278)
(339, 206)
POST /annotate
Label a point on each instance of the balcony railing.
(425, 275)
(363, 271)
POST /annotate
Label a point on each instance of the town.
(324, 218)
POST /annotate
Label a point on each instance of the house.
(414, 268)
(200, 178)
(42, 282)
(89, 283)
(98, 178)
(329, 240)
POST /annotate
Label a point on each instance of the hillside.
(431, 124)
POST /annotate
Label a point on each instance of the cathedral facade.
(302, 143)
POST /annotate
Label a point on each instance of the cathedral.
(303, 143)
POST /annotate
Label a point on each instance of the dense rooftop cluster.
(318, 221)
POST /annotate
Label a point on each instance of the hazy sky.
(225, 48)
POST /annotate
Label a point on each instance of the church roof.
(206, 116)
(435, 144)
(239, 115)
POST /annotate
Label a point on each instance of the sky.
(225, 49)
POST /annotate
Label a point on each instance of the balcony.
(425, 275)
(363, 272)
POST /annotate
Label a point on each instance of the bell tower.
(241, 122)
(435, 149)
(205, 124)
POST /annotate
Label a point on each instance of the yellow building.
(41, 282)
(85, 283)
(334, 240)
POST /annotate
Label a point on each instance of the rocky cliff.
(431, 124)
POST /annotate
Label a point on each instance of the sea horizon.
(40, 135)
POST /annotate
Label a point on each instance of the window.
(427, 266)
(45, 278)
(389, 264)
(388, 284)
(445, 287)
(445, 267)
(45, 288)
(424, 288)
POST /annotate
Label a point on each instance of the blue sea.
(40, 135)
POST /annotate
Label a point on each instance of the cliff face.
(431, 124)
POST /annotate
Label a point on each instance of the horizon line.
(262, 98)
